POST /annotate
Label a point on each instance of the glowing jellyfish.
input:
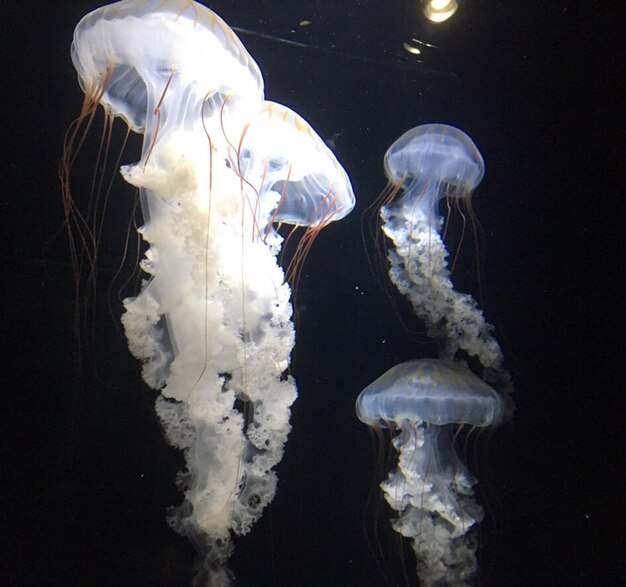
(426, 401)
(430, 163)
(212, 324)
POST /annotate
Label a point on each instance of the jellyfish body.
(425, 401)
(212, 323)
(430, 163)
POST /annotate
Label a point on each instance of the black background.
(86, 473)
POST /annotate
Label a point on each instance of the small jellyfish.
(427, 164)
(424, 402)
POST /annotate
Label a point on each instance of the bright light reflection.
(440, 10)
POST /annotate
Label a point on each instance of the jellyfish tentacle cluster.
(212, 323)
(437, 508)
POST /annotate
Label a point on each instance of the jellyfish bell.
(297, 175)
(297, 178)
(177, 44)
(425, 401)
(433, 391)
(212, 323)
(432, 162)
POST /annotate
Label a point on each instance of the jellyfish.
(427, 164)
(424, 402)
(220, 167)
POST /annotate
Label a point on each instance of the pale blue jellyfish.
(428, 164)
(212, 323)
(424, 402)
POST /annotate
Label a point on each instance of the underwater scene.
(321, 296)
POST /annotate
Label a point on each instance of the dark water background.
(87, 477)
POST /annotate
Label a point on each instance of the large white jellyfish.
(212, 324)
(424, 402)
(431, 163)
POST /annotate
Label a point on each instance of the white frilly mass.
(213, 330)
(418, 267)
(436, 507)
